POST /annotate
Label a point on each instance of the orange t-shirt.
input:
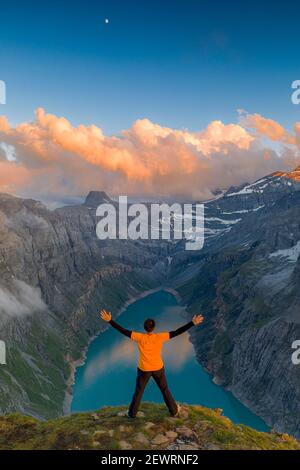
(150, 346)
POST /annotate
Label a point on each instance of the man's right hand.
(105, 315)
(197, 319)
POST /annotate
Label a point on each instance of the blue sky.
(178, 63)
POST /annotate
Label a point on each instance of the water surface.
(108, 376)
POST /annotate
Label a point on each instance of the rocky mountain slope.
(55, 273)
(108, 428)
(225, 213)
(54, 276)
(248, 288)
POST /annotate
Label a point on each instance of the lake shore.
(74, 364)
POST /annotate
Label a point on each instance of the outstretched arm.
(106, 316)
(197, 319)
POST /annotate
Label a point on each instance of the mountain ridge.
(248, 289)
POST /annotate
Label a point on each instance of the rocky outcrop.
(108, 428)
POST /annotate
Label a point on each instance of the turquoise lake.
(108, 375)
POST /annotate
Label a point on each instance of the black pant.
(141, 382)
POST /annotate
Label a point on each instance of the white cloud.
(52, 159)
(20, 300)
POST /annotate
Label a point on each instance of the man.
(150, 363)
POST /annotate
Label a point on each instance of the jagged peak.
(294, 174)
(94, 198)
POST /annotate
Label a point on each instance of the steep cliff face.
(55, 275)
(248, 288)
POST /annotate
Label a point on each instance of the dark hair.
(149, 325)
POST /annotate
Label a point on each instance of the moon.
(106, 21)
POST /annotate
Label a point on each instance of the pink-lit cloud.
(53, 159)
(269, 128)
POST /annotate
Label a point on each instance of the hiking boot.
(177, 412)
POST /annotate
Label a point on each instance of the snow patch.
(244, 211)
(222, 221)
(290, 253)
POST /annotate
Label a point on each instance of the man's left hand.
(197, 319)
